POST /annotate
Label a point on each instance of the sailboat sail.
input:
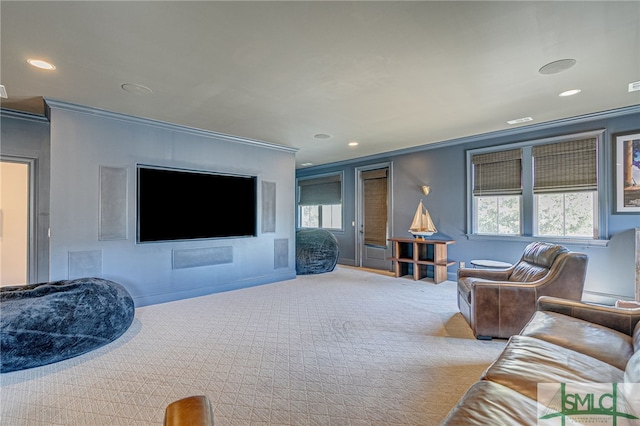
(422, 225)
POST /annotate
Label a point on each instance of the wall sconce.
(426, 189)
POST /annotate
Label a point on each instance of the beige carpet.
(349, 347)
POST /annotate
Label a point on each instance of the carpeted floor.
(348, 347)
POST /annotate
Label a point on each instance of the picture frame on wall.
(628, 172)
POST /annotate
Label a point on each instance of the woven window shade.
(375, 207)
(320, 191)
(497, 173)
(566, 166)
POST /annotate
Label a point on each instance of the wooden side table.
(421, 256)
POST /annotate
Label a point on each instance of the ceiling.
(388, 75)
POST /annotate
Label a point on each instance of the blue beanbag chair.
(49, 322)
(316, 251)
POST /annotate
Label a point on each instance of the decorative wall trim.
(207, 256)
(84, 264)
(113, 203)
(281, 253)
(268, 207)
(164, 125)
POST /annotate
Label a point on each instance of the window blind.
(565, 166)
(320, 191)
(497, 173)
(375, 206)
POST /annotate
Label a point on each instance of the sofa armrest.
(191, 411)
(620, 319)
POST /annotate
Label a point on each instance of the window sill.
(583, 242)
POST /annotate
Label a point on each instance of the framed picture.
(628, 173)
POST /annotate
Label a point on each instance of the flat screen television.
(178, 204)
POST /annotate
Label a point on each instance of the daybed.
(564, 342)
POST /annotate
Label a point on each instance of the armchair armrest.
(620, 319)
(497, 308)
(486, 274)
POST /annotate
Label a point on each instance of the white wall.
(84, 140)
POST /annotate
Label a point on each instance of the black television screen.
(175, 204)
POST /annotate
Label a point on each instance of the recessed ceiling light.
(570, 92)
(39, 63)
(3, 92)
(322, 136)
(306, 164)
(136, 89)
(520, 120)
(635, 86)
(557, 66)
(354, 143)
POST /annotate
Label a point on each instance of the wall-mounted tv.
(178, 204)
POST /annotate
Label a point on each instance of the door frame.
(359, 213)
(32, 240)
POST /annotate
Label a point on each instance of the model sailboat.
(422, 225)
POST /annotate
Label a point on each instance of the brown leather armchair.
(498, 303)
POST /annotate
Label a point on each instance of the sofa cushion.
(527, 361)
(632, 372)
(600, 342)
(489, 403)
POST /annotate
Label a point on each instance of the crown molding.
(618, 112)
(21, 115)
(66, 106)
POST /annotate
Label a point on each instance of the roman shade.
(497, 173)
(566, 166)
(375, 206)
(324, 190)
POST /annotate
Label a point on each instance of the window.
(320, 202)
(569, 214)
(497, 190)
(546, 188)
(498, 215)
(565, 187)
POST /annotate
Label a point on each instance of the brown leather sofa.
(564, 342)
(499, 302)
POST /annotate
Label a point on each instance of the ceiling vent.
(635, 86)
(3, 91)
(520, 120)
